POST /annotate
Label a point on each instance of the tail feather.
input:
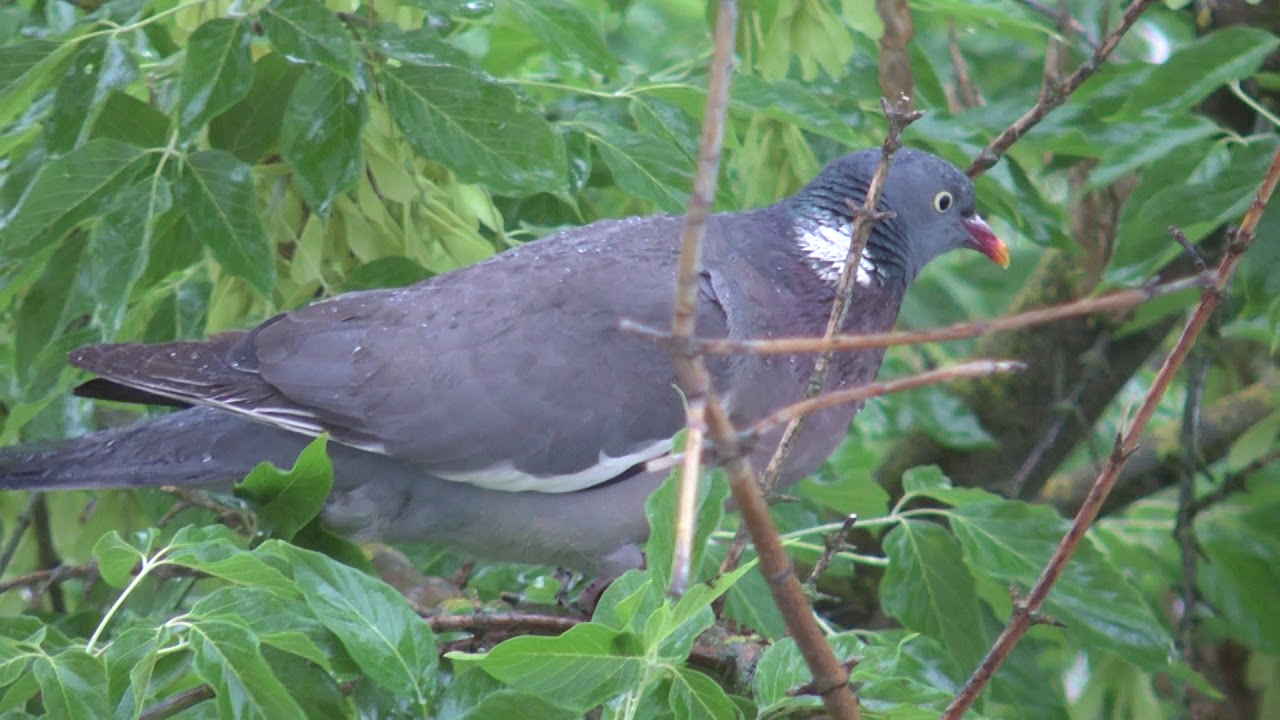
(182, 448)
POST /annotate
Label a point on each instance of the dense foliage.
(172, 168)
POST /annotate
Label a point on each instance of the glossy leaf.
(566, 32)
(1010, 542)
(73, 685)
(320, 135)
(585, 666)
(218, 72)
(389, 642)
(221, 206)
(251, 128)
(227, 657)
(928, 588)
(286, 500)
(307, 31)
(476, 127)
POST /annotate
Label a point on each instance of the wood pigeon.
(499, 409)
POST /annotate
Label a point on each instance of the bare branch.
(831, 680)
(1053, 95)
(898, 117)
(684, 313)
(834, 542)
(1117, 301)
(1125, 445)
(962, 371)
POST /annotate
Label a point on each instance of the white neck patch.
(825, 249)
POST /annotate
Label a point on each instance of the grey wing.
(511, 375)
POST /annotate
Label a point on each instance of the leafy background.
(174, 168)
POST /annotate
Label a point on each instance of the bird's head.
(933, 205)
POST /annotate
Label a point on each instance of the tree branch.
(1126, 444)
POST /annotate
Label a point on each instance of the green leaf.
(287, 500)
(1243, 572)
(929, 589)
(117, 252)
(218, 72)
(221, 206)
(645, 166)
(69, 190)
(1199, 67)
(660, 507)
(477, 128)
(320, 136)
(516, 704)
(212, 550)
(949, 421)
(389, 642)
(250, 129)
(415, 46)
(52, 301)
(791, 103)
(695, 696)
(566, 32)
(280, 621)
(1156, 140)
(130, 120)
(117, 558)
(131, 659)
(1012, 541)
(73, 685)
(307, 31)
(387, 272)
(628, 601)
(26, 69)
(100, 67)
(227, 657)
(581, 668)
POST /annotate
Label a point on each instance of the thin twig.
(1064, 21)
(961, 371)
(1126, 444)
(1233, 482)
(1069, 408)
(1052, 97)
(20, 527)
(684, 313)
(898, 117)
(1184, 525)
(42, 579)
(967, 95)
(835, 542)
(1181, 237)
(1112, 302)
(830, 679)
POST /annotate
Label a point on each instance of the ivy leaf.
(320, 135)
(216, 189)
(476, 127)
(218, 72)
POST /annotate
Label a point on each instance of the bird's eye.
(942, 201)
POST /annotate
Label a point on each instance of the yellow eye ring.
(942, 201)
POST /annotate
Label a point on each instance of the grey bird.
(499, 409)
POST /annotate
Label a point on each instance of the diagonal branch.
(1054, 94)
(830, 679)
(1118, 301)
(1126, 444)
(898, 116)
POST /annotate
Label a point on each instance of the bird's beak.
(984, 241)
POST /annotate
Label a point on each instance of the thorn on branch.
(835, 542)
(1181, 237)
(1036, 617)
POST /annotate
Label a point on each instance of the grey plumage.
(499, 408)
